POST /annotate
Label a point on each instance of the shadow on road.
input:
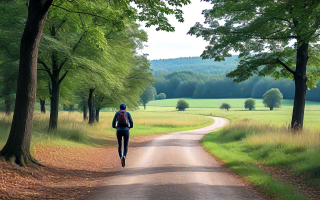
(171, 143)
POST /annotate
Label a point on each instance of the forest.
(196, 78)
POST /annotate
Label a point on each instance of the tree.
(225, 106)
(18, 143)
(250, 103)
(263, 31)
(162, 96)
(272, 98)
(148, 95)
(182, 104)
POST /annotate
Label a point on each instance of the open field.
(215, 103)
(277, 117)
(73, 131)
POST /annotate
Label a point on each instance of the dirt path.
(174, 166)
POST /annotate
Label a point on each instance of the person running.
(122, 121)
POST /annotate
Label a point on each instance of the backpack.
(122, 119)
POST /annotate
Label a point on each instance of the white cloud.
(163, 44)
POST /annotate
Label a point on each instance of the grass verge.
(245, 145)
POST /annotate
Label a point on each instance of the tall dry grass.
(259, 133)
(73, 129)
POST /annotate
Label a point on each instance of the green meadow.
(215, 103)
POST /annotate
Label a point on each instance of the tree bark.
(55, 88)
(300, 80)
(91, 107)
(85, 112)
(18, 143)
(55, 93)
(43, 105)
(271, 108)
(97, 114)
(144, 105)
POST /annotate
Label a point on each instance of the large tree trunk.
(300, 79)
(91, 107)
(18, 143)
(97, 114)
(43, 105)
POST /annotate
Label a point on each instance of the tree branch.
(79, 12)
(64, 75)
(60, 25)
(279, 38)
(46, 67)
(285, 66)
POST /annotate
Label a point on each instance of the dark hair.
(123, 106)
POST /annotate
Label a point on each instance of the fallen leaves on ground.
(69, 172)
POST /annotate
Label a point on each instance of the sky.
(164, 45)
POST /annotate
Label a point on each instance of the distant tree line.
(195, 64)
(189, 84)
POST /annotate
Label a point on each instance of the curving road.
(174, 166)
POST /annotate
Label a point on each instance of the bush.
(272, 98)
(182, 104)
(162, 96)
(225, 106)
(249, 103)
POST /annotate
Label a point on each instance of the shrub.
(182, 104)
(249, 103)
(162, 96)
(272, 98)
(225, 106)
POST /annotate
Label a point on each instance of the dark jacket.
(115, 121)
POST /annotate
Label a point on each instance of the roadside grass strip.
(246, 144)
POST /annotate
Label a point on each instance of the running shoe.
(123, 161)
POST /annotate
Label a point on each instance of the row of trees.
(271, 99)
(188, 84)
(81, 59)
(87, 53)
(195, 64)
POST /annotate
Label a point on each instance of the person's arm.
(114, 121)
(130, 120)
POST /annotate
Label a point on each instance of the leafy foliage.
(162, 96)
(182, 104)
(249, 103)
(225, 106)
(272, 98)
(263, 33)
(148, 95)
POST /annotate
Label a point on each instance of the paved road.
(174, 166)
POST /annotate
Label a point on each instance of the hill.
(195, 64)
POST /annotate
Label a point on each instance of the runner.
(122, 121)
